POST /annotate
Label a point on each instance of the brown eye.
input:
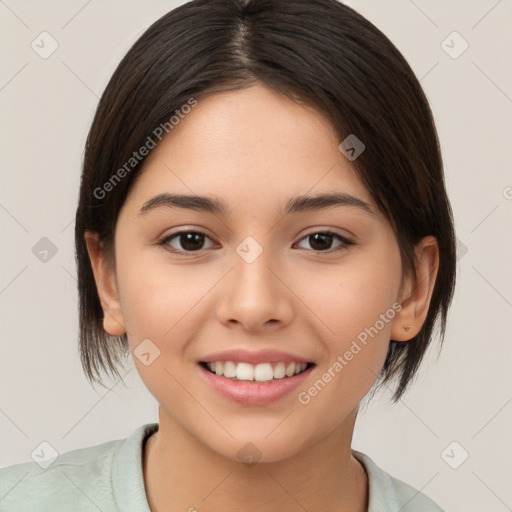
(187, 241)
(322, 241)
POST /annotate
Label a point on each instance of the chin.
(257, 448)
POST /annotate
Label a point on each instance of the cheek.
(159, 298)
(352, 296)
(353, 304)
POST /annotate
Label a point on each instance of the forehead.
(251, 146)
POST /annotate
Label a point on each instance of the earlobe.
(105, 278)
(417, 293)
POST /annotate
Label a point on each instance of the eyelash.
(345, 241)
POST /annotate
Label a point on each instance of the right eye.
(190, 241)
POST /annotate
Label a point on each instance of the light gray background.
(47, 107)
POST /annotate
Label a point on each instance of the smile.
(263, 372)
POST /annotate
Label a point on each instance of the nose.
(255, 294)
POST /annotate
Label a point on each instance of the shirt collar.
(381, 496)
(127, 473)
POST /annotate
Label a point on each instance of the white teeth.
(290, 369)
(229, 369)
(262, 372)
(245, 371)
(279, 371)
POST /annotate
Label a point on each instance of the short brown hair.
(319, 52)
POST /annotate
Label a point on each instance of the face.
(270, 287)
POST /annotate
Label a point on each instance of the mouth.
(256, 373)
(268, 378)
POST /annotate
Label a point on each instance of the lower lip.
(254, 393)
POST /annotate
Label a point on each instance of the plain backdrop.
(461, 403)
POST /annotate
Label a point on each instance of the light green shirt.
(108, 478)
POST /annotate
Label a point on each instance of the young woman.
(263, 225)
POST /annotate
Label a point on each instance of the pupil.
(191, 241)
(318, 236)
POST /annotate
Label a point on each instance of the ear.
(105, 277)
(415, 299)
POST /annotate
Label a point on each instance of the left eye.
(192, 241)
(322, 239)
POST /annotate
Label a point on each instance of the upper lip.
(241, 355)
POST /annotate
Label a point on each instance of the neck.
(181, 473)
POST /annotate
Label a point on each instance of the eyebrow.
(219, 207)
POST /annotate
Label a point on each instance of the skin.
(255, 148)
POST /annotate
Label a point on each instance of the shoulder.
(81, 478)
(389, 494)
